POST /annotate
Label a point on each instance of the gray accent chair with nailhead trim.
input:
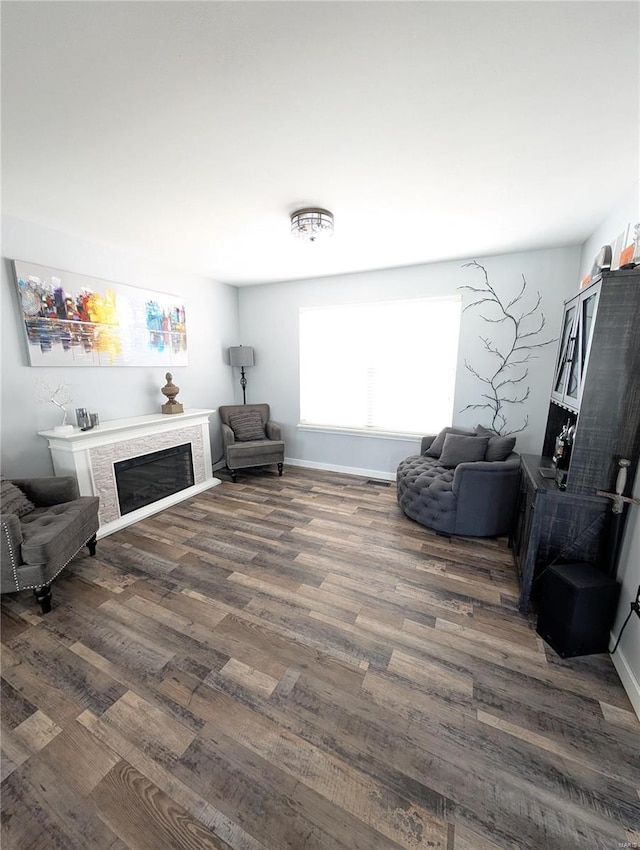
(245, 446)
(40, 538)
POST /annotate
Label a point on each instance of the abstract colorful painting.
(73, 320)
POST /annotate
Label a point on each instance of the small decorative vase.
(171, 391)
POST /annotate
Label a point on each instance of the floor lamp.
(241, 355)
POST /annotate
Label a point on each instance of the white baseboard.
(627, 677)
(347, 470)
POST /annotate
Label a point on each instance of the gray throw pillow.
(437, 445)
(459, 448)
(499, 448)
(481, 431)
(247, 426)
(13, 500)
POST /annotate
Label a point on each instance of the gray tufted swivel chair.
(474, 499)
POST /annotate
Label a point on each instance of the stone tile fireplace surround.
(90, 456)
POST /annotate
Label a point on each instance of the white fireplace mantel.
(90, 457)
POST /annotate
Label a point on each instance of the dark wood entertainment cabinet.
(596, 386)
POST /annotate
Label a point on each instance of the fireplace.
(143, 480)
(121, 448)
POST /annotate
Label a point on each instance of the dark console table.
(553, 526)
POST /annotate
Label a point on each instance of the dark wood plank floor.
(292, 663)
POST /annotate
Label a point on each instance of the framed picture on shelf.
(619, 243)
(630, 254)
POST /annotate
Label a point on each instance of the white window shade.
(388, 366)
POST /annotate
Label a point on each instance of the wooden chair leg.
(280, 466)
(233, 475)
(43, 595)
(91, 544)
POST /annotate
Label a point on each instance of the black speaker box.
(577, 606)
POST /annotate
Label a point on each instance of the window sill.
(360, 432)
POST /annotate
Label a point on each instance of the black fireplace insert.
(148, 478)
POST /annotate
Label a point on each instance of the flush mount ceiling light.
(312, 223)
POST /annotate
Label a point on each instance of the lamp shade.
(241, 355)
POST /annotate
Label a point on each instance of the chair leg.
(280, 466)
(91, 544)
(43, 595)
(233, 475)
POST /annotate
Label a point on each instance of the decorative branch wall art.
(72, 320)
(505, 385)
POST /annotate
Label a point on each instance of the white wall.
(269, 322)
(114, 393)
(627, 656)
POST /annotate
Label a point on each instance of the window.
(387, 366)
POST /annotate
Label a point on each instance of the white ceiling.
(188, 132)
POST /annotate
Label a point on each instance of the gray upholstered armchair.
(250, 438)
(44, 523)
